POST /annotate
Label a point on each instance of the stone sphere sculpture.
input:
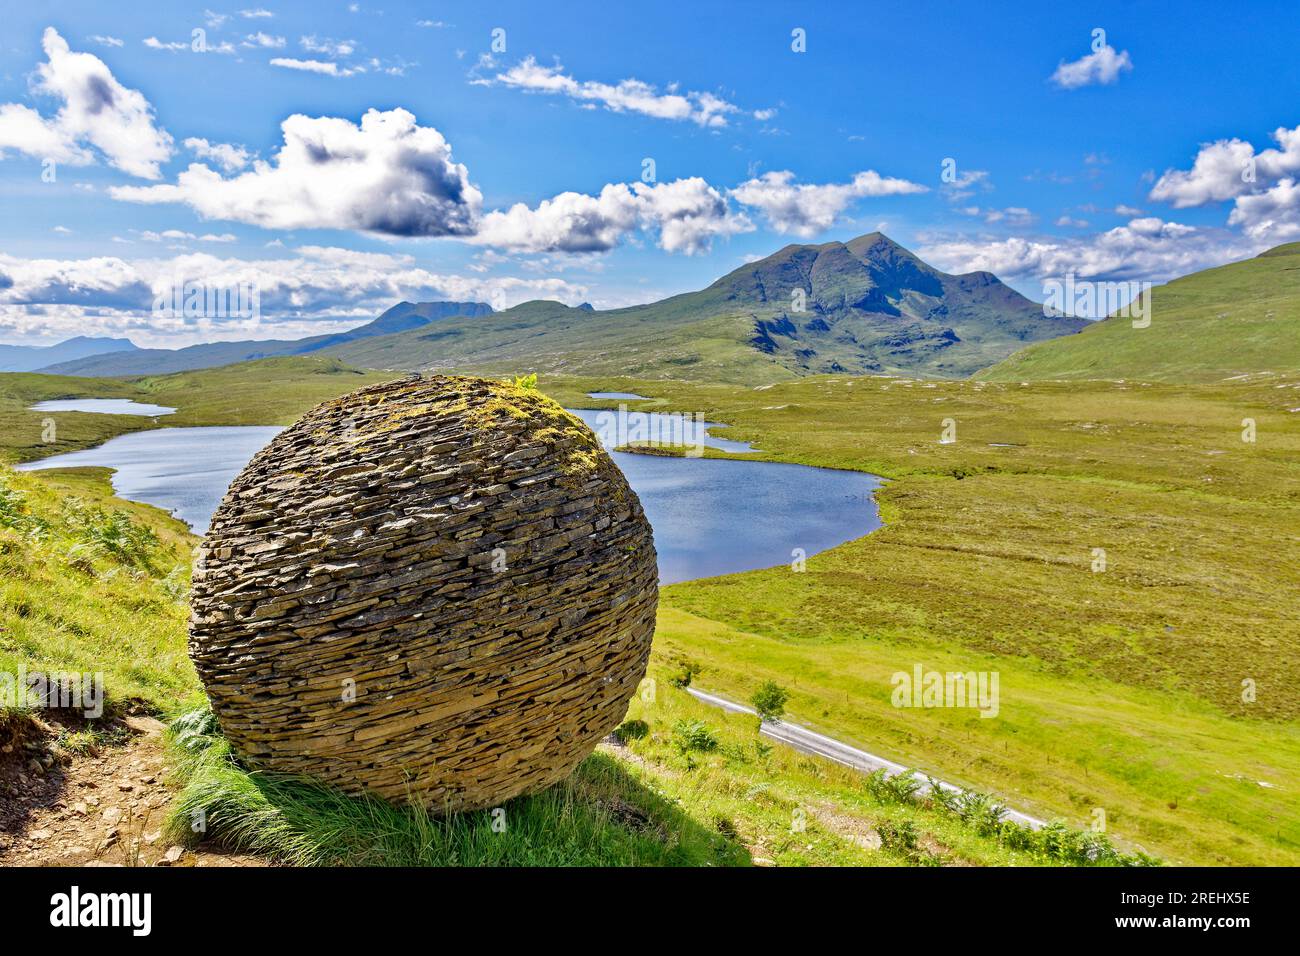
(438, 590)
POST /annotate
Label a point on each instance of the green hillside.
(1122, 690)
(1122, 685)
(869, 306)
(692, 336)
(92, 583)
(1233, 320)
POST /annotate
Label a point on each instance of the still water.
(102, 406)
(709, 517)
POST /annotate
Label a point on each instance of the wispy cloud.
(328, 47)
(626, 96)
(178, 235)
(228, 157)
(325, 67)
(264, 41)
(224, 48)
(1017, 216)
(154, 43)
(965, 183)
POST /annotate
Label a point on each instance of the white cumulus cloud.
(1101, 67)
(1272, 215)
(805, 209)
(97, 111)
(388, 175)
(314, 289)
(687, 214)
(1147, 249)
(1262, 185)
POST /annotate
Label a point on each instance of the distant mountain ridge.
(873, 306)
(858, 307)
(863, 306)
(401, 317)
(29, 358)
(1237, 319)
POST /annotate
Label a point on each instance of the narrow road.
(811, 742)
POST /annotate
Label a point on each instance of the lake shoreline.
(703, 513)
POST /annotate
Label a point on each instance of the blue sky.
(520, 171)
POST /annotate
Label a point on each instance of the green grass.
(26, 435)
(275, 391)
(1236, 319)
(95, 584)
(600, 816)
(1120, 690)
(698, 335)
(693, 787)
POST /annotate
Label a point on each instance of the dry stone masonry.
(440, 590)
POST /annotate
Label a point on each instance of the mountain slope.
(401, 317)
(28, 358)
(682, 337)
(1231, 320)
(869, 305)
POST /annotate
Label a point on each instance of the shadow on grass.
(600, 816)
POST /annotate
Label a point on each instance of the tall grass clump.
(599, 816)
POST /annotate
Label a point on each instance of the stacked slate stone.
(439, 591)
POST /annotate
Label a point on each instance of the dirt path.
(104, 808)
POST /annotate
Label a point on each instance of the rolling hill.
(29, 358)
(1232, 320)
(401, 317)
(869, 306)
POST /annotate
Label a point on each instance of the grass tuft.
(600, 816)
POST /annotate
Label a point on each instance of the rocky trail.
(102, 807)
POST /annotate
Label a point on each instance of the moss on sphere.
(440, 590)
